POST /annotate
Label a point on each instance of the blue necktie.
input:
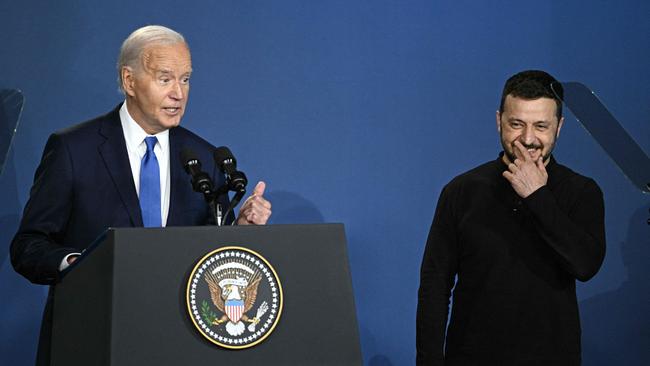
(150, 186)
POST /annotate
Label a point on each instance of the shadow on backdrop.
(370, 345)
(291, 208)
(607, 131)
(379, 361)
(616, 324)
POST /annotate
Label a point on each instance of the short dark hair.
(533, 84)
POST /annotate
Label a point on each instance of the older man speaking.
(121, 169)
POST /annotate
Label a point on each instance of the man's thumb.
(259, 188)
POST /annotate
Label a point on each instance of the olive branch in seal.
(206, 313)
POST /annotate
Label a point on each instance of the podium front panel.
(149, 321)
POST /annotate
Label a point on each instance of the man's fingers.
(521, 151)
(540, 165)
(250, 216)
(259, 188)
(255, 201)
(256, 204)
(256, 210)
(255, 215)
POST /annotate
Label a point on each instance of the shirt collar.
(134, 135)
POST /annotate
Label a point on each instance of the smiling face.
(533, 122)
(157, 91)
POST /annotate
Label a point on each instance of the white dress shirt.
(134, 137)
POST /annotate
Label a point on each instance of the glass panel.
(11, 106)
(607, 131)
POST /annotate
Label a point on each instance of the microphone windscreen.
(190, 161)
(222, 154)
(186, 155)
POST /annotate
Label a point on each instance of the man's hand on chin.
(525, 174)
(256, 210)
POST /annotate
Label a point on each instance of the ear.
(559, 127)
(498, 122)
(128, 80)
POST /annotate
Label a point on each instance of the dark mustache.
(532, 146)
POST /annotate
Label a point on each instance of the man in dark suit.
(121, 169)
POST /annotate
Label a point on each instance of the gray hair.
(136, 42)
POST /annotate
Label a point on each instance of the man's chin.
(171, 123)
(538, 154)
(510, 156)
(535, 155)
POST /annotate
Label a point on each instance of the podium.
(124, 302)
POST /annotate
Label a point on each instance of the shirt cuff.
(64, 263)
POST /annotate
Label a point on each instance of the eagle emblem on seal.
(233, 290)
(234, 297)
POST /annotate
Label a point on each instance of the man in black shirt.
(517, 232)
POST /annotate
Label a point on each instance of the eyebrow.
(170, 72)
(514, 119)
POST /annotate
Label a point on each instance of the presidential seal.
(234, 297)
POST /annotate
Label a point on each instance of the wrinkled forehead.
(174, 58)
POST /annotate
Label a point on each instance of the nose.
(528, 135)
(177, 92)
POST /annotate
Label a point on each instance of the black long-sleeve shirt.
(516, 259)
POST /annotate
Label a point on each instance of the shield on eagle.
(234, 309)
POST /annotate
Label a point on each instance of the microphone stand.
(234, 202)
(215, 208)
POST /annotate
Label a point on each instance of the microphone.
(227, 163)
(201, 181)
(235, 180)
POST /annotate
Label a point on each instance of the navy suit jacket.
(83, 186)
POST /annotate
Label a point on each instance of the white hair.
(136, 42)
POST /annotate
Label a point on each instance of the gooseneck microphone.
(227, 163)
(235, 180)
(201, 182)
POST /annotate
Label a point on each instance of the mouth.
(534, 152)
(172, 110)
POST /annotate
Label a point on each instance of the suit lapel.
(177, 176)
(115, 156)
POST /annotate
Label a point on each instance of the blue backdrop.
(355, 112)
